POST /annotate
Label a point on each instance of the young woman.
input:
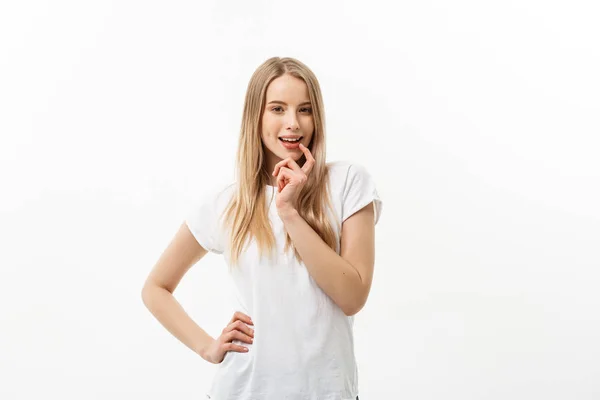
(297, 234)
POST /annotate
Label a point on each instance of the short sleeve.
(204, 220)
(359, 191)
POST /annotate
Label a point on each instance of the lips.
(291, 137)
(290, 145)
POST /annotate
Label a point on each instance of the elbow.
(148, 294)
(353, 308)
(152, 292)
(146, 289)
(351, 311)
(355, 303)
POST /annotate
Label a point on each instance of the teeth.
(290, 140)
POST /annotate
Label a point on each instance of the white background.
(478, 120)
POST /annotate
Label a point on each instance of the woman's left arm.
(345, 277)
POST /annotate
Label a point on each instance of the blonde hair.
(247, 212)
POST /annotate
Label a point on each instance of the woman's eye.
(304, 109)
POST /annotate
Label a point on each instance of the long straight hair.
(247, 212)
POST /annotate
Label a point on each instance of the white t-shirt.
(303, 342)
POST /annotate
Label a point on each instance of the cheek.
(269, 126)
(308, 124)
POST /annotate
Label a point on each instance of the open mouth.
(291, 140)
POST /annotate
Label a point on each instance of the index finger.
(310, 160)
(242, 317)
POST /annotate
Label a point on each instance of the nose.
(292, 123)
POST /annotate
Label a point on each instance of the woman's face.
(288, 113)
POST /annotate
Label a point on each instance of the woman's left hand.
(291, 179)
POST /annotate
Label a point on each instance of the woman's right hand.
(236, 329)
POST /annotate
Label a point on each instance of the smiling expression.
(288, 113)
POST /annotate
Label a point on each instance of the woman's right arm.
(157, 294)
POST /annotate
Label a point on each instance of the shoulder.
(215, 196)
(343, 173)
(224, 191)
(355, 186)
(222, 194)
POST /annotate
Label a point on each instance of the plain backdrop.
(479, 122)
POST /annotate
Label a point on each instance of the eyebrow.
(281, 102)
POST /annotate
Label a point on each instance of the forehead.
(287, 87)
